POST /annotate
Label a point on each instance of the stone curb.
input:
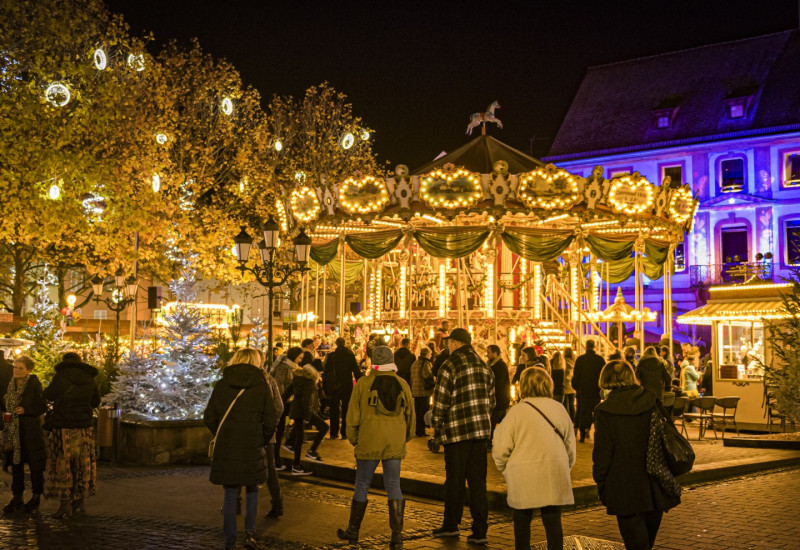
(585, 495)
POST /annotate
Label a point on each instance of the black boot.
(64, 510)
(357, 510)
(33, 504)
(396, 511)
(14, 506)
(277, 509)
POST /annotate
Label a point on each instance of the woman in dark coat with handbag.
(25, 404)
(622, 429)
(239, 454)
(71, 468)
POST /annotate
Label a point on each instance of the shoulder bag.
(47, 422)
(213, 442)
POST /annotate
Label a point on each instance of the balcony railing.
(720, 274)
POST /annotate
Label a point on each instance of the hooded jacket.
(74, 395)
(239, 454)
(622, 428)
(652, 375)
(380, 418)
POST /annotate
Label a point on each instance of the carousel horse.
(488, 116)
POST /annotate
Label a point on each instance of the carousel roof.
(481, 154)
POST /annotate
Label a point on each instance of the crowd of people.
(529, 418)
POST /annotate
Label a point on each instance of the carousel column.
(442, 288)
(575, 296)
(378, 290)
(637, 266)
(324, 299)
(537, 290)
(364, 310)
(316, 301)
(307, 311)
(668, 297)
(506, 263)
(341, 289)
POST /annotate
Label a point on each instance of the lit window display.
(741, 350)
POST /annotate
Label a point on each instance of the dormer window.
(663, 118)
(738, 102)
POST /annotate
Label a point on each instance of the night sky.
(415, 71)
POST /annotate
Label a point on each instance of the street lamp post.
(270, 275)
(123, 294)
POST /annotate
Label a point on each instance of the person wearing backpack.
(341, 368)
(422, 384)
(380, 420)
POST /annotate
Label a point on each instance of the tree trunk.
(18, 292)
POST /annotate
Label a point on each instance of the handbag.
(428, 382)
(677, 449)
(47, 422)
(212, 444)
(657, 465)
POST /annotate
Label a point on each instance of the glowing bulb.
(55, 191)
(161, 138)
(365, 135)
(100, 60)
(156, 183)
(278, 145)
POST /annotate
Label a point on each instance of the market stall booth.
(488, 238)
(739, 348)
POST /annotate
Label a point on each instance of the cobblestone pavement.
(177, 508)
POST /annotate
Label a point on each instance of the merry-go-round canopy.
(488, 190)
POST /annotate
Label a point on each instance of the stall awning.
(746, 311)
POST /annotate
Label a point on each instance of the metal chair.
(774, 414)
(678, 409)
(728, 406)
(705, 406)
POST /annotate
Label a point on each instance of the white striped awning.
(745, 311)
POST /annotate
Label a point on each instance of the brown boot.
(357, 510)
(396, 511)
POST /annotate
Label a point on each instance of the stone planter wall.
(153, 442)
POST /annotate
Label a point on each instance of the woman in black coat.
(651, 372)
(622, 428)
(240, 451)
(25, 403)
(71, 468)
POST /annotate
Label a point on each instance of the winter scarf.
(13, 399)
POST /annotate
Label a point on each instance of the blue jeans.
(365, 469)
(229, 505)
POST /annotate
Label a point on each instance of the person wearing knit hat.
(380, 420)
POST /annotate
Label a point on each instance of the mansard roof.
(616, 106)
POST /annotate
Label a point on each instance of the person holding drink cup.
(24, 405)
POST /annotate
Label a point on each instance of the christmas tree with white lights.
(175, 382)
(44, 329)
(258, 335)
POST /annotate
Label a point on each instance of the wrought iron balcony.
(730, 273)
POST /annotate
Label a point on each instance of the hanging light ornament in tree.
(278, 145)
(156, 183)
(136, 62)
(226, 106)
(100, 59)
(55, 192)
(365, 135)
(347, 141)
(161, 138)
(57, 94)
(243, 184)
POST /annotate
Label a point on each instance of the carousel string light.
(488, 291)
(536, 188)
(363, 195)
(442, 289)
(403, 281)
(681, 205)
(305, 204)
(631, 194)
(537, 290)
(456, 188)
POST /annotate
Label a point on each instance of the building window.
(616, 172)
(675, 174)
(731, 175)
(791, 170)
(663, 118)
(680, 257)
(792, 229)
(662, 121)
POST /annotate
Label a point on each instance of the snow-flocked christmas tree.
(175, 382)
(258, 335)
(44, 328)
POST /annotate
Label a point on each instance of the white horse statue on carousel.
(483, 118)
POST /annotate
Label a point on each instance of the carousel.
(490, 239)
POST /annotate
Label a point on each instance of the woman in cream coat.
(536, 457)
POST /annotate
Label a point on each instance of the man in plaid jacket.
(463, 400)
